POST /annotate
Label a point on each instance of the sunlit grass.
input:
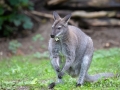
(33, 73)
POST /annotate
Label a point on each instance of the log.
(102, 22)
(55, 2)
(99, 14)
(85, 4)
(50, 16)
(42, 14)
(33, 16)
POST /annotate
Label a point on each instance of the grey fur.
(77, 47)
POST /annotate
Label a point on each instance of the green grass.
(31, 73)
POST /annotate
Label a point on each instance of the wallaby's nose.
(52, 36)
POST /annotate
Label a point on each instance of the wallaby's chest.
(63, 49)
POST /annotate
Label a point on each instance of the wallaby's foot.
(52, 85)
(78, 85)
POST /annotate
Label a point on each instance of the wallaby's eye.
(59, 27)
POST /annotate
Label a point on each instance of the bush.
(14, 45)
(12, 18)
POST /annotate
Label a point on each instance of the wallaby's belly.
(74, 71)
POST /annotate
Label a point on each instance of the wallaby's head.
(60, 25)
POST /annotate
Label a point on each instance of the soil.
(103, 37)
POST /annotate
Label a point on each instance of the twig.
(42, 14)
(33, 16)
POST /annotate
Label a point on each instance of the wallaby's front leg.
(69, 61)
(65, 68)
(56, 65)
(54, 56)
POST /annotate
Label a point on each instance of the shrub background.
(12, 17)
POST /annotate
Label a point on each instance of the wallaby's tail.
(96, 77)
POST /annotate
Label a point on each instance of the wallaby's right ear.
(55, 15)
(67, 18)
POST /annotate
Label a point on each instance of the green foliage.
(12, 17)
(37, 37)
(35, 74)
(13, 46)
(41, 55)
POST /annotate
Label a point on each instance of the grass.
(31, 73)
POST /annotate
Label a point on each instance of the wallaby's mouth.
(56, 39)
(52, 36)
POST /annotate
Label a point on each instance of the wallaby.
(76, 46)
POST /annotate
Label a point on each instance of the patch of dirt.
(103, 37)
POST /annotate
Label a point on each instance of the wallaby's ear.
(67, 18)
(55, 15)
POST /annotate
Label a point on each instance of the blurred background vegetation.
(12, 17)
(25, 25)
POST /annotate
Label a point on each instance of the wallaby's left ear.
(67, 18)
(55, 15)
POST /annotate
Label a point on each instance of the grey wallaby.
(77, 48)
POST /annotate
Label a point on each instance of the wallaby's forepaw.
(78, 85)
(60, 75)
(52, 85)
(58, 70)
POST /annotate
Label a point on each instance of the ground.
(31, 73)
(103, 37)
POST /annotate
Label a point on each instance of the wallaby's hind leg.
(86, 61)
(83, 70)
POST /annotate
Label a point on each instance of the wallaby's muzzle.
(52, 36)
